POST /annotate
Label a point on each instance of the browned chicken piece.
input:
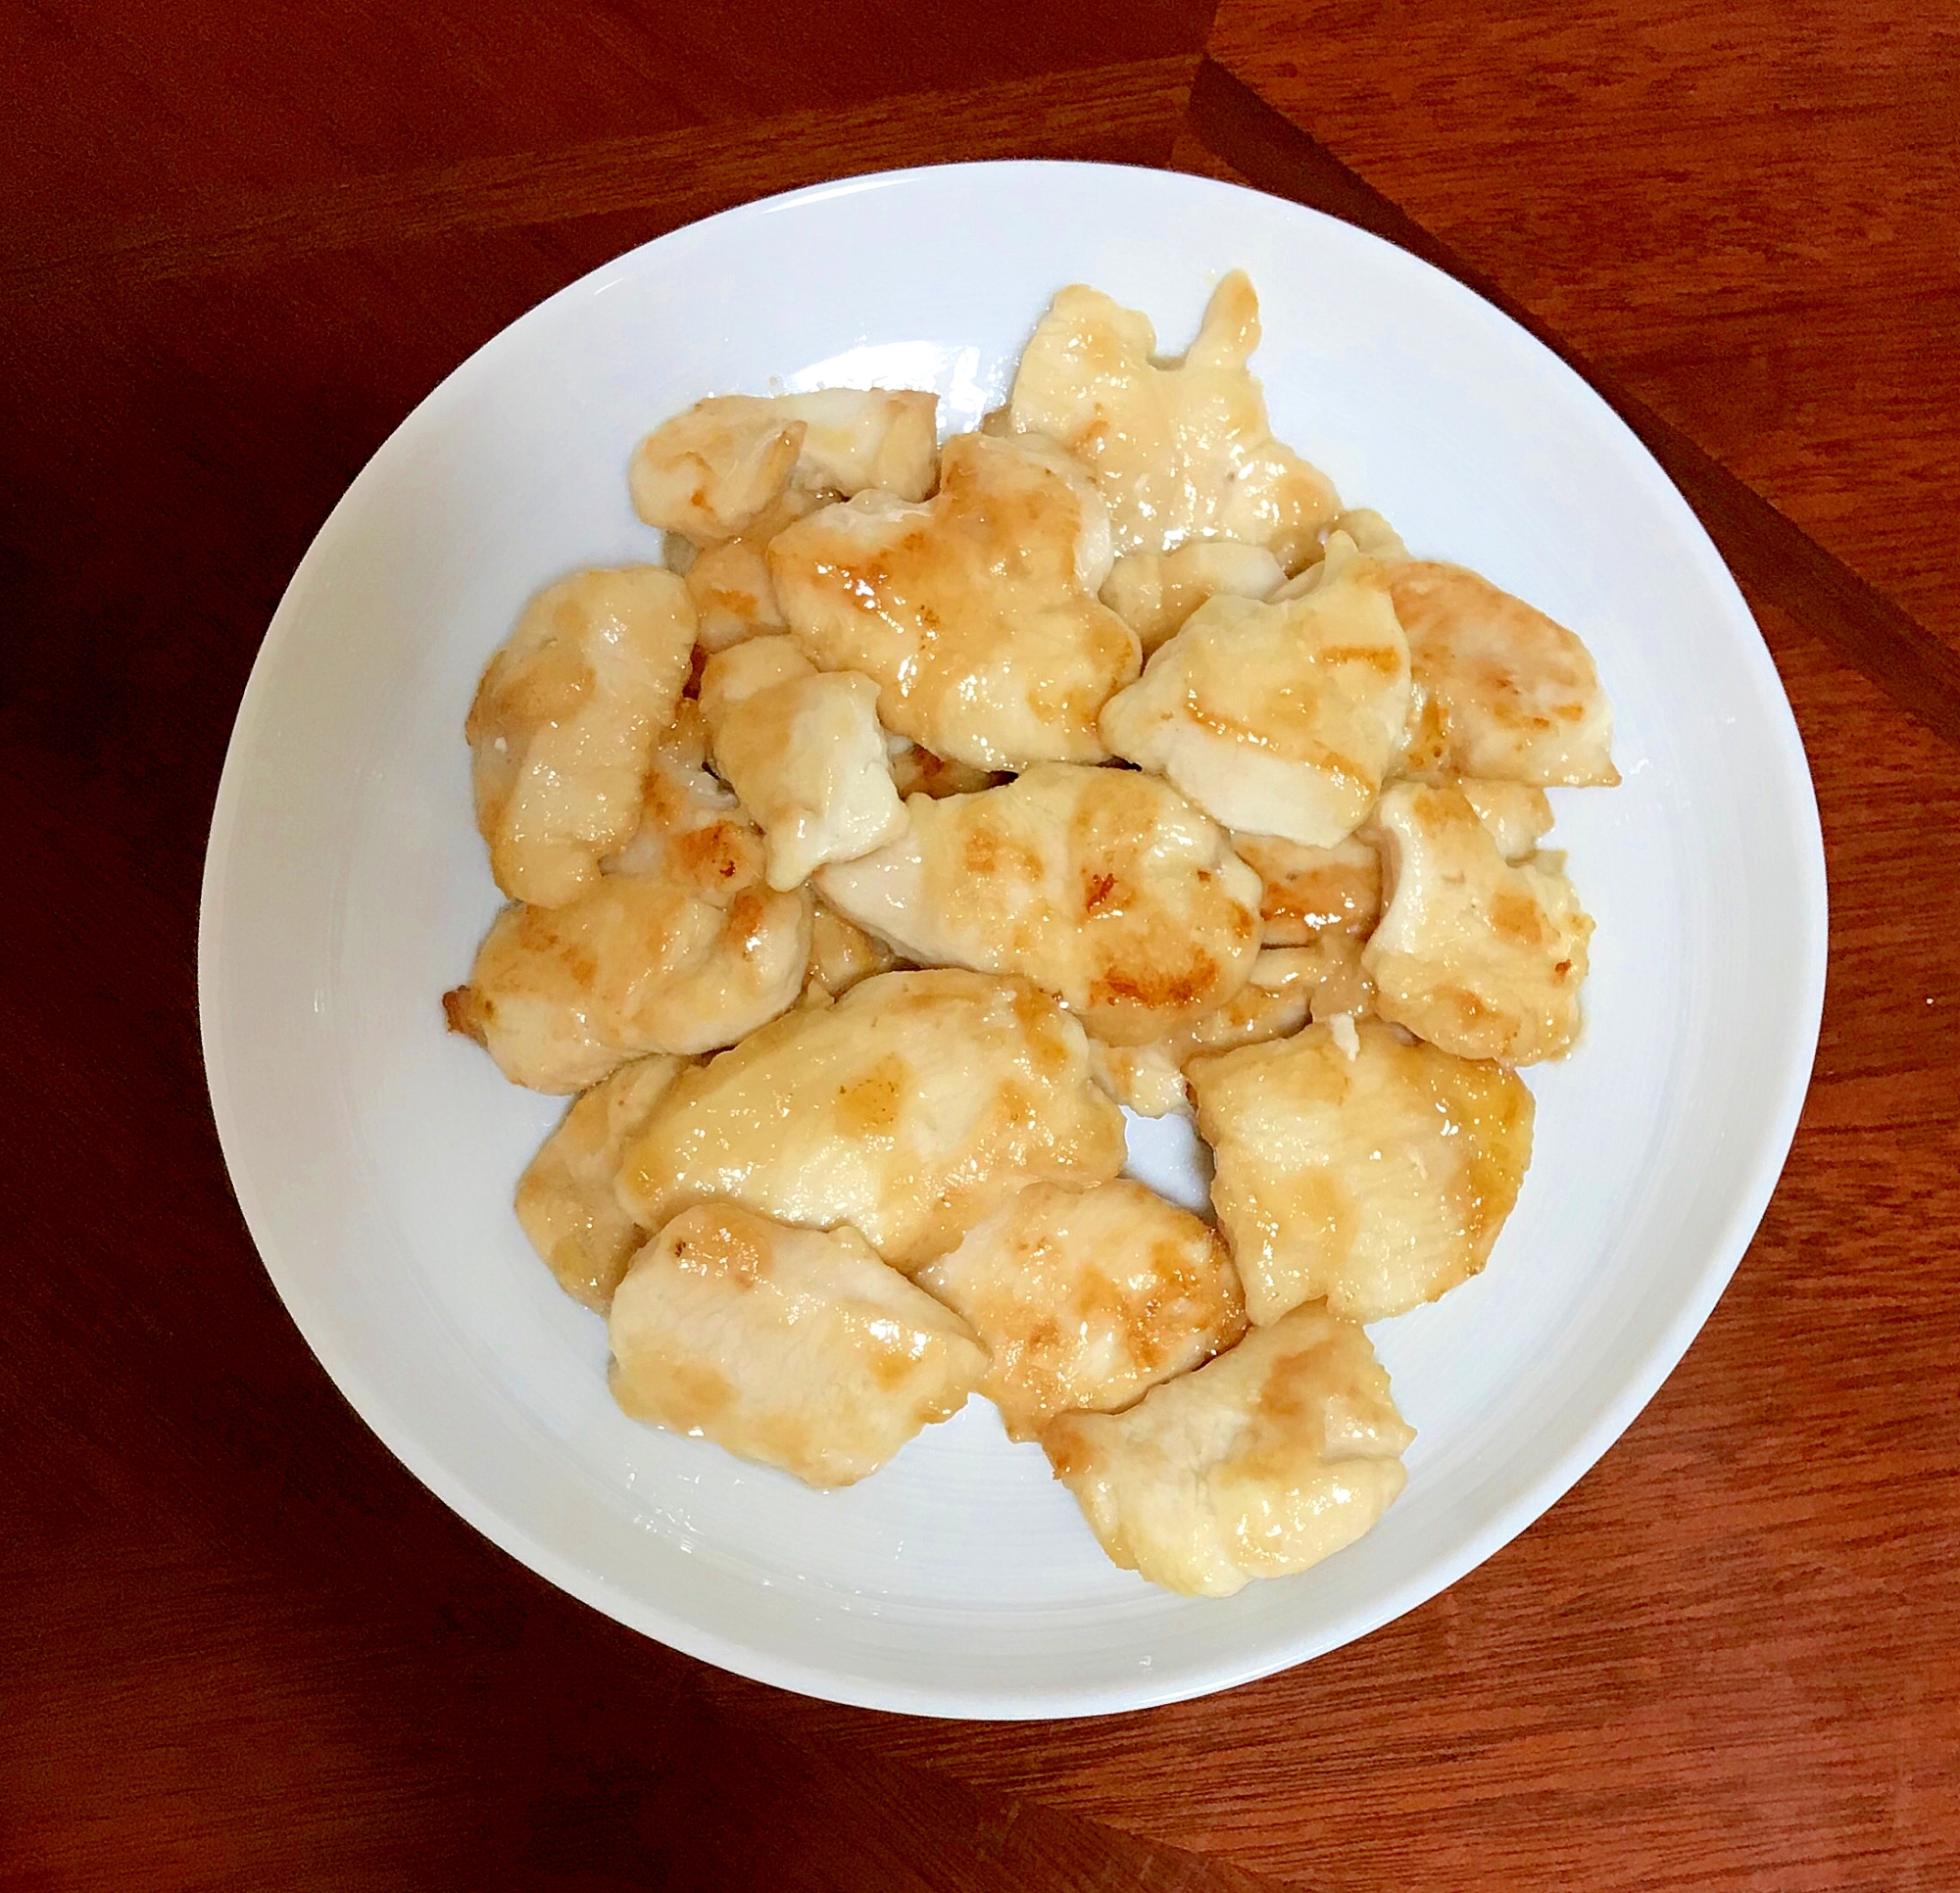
(841, 953)
(975, 612)
(711, 473)
(1181, 451)
(1309, 892)
(802, 749)
(568, 1199)
(1154, 593)
(1355, 1167)
(1477, 955)
(1088, 1298)
(789, 1346)
(1279, 719)
(565, 720)
(1272, 1458)
(1518, 815)
(1288, 986)
(1502, 693)
(1104, 887)
(678, 947)
(911, 1108)
(729, 581)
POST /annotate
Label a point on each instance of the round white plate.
(344, 889)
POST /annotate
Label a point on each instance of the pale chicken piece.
(802, 749)
(1180, 452)
(1155, 592)
(911, 1108)
(1087, 1298)
(841, 954)
(916, 771)
(1282, 718)
(789, 1346)
(563, 722)
(1477, 955)
(1502, 693)
(677, 947)
(862, 438)
(1517, 814)
(711, 473)
(1104, 887)
(1309, 892)
(1355, 1167)
(568, 1199)
(1288, 986)
(1273, 1457)
(975, 612)
(734, 596)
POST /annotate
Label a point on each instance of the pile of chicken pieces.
(930, 803)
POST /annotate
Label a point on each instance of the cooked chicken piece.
(1476, 955)
(564, 720)
(1288, 986)
(566, 1200)
(712, 471)
(802, 749)
(789, 1346)
(918, 773)
(1088, 1298)
(860, 438)
(1279, 719)
(1313, 891)
(975, 612)
(1179, 453)
(1517, 815)
(1104, 887)
(1155, 592)
(677, 947)
(1501, 692)
(915, 1105)
(1370, 532)
(1263, 1463)
(840, 955)
(729, 582)
(1354, 1166)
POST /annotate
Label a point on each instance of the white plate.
(345, 888)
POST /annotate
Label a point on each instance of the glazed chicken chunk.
(1155, 592)
(802, 749)
(1288, 986)
(711, 473)
(1477, 955)
(734, 596)
(1104, 887)
(1501, 692)
(1282, 718)
(1272, 1458)
(564, 723)
(1358, 1168)
(911, 1108)
(976, 612)
(790, 1346)
(1517, 815)
(841, 954)
(568, 1200)
(1180, 452)
(1088, 1298)
(677, 947)
(1309, 892)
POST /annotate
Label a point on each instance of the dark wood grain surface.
(241, 1648)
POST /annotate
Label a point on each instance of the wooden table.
(241, 1648)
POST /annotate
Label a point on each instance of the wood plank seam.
(687, 174)
(1766, 548)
